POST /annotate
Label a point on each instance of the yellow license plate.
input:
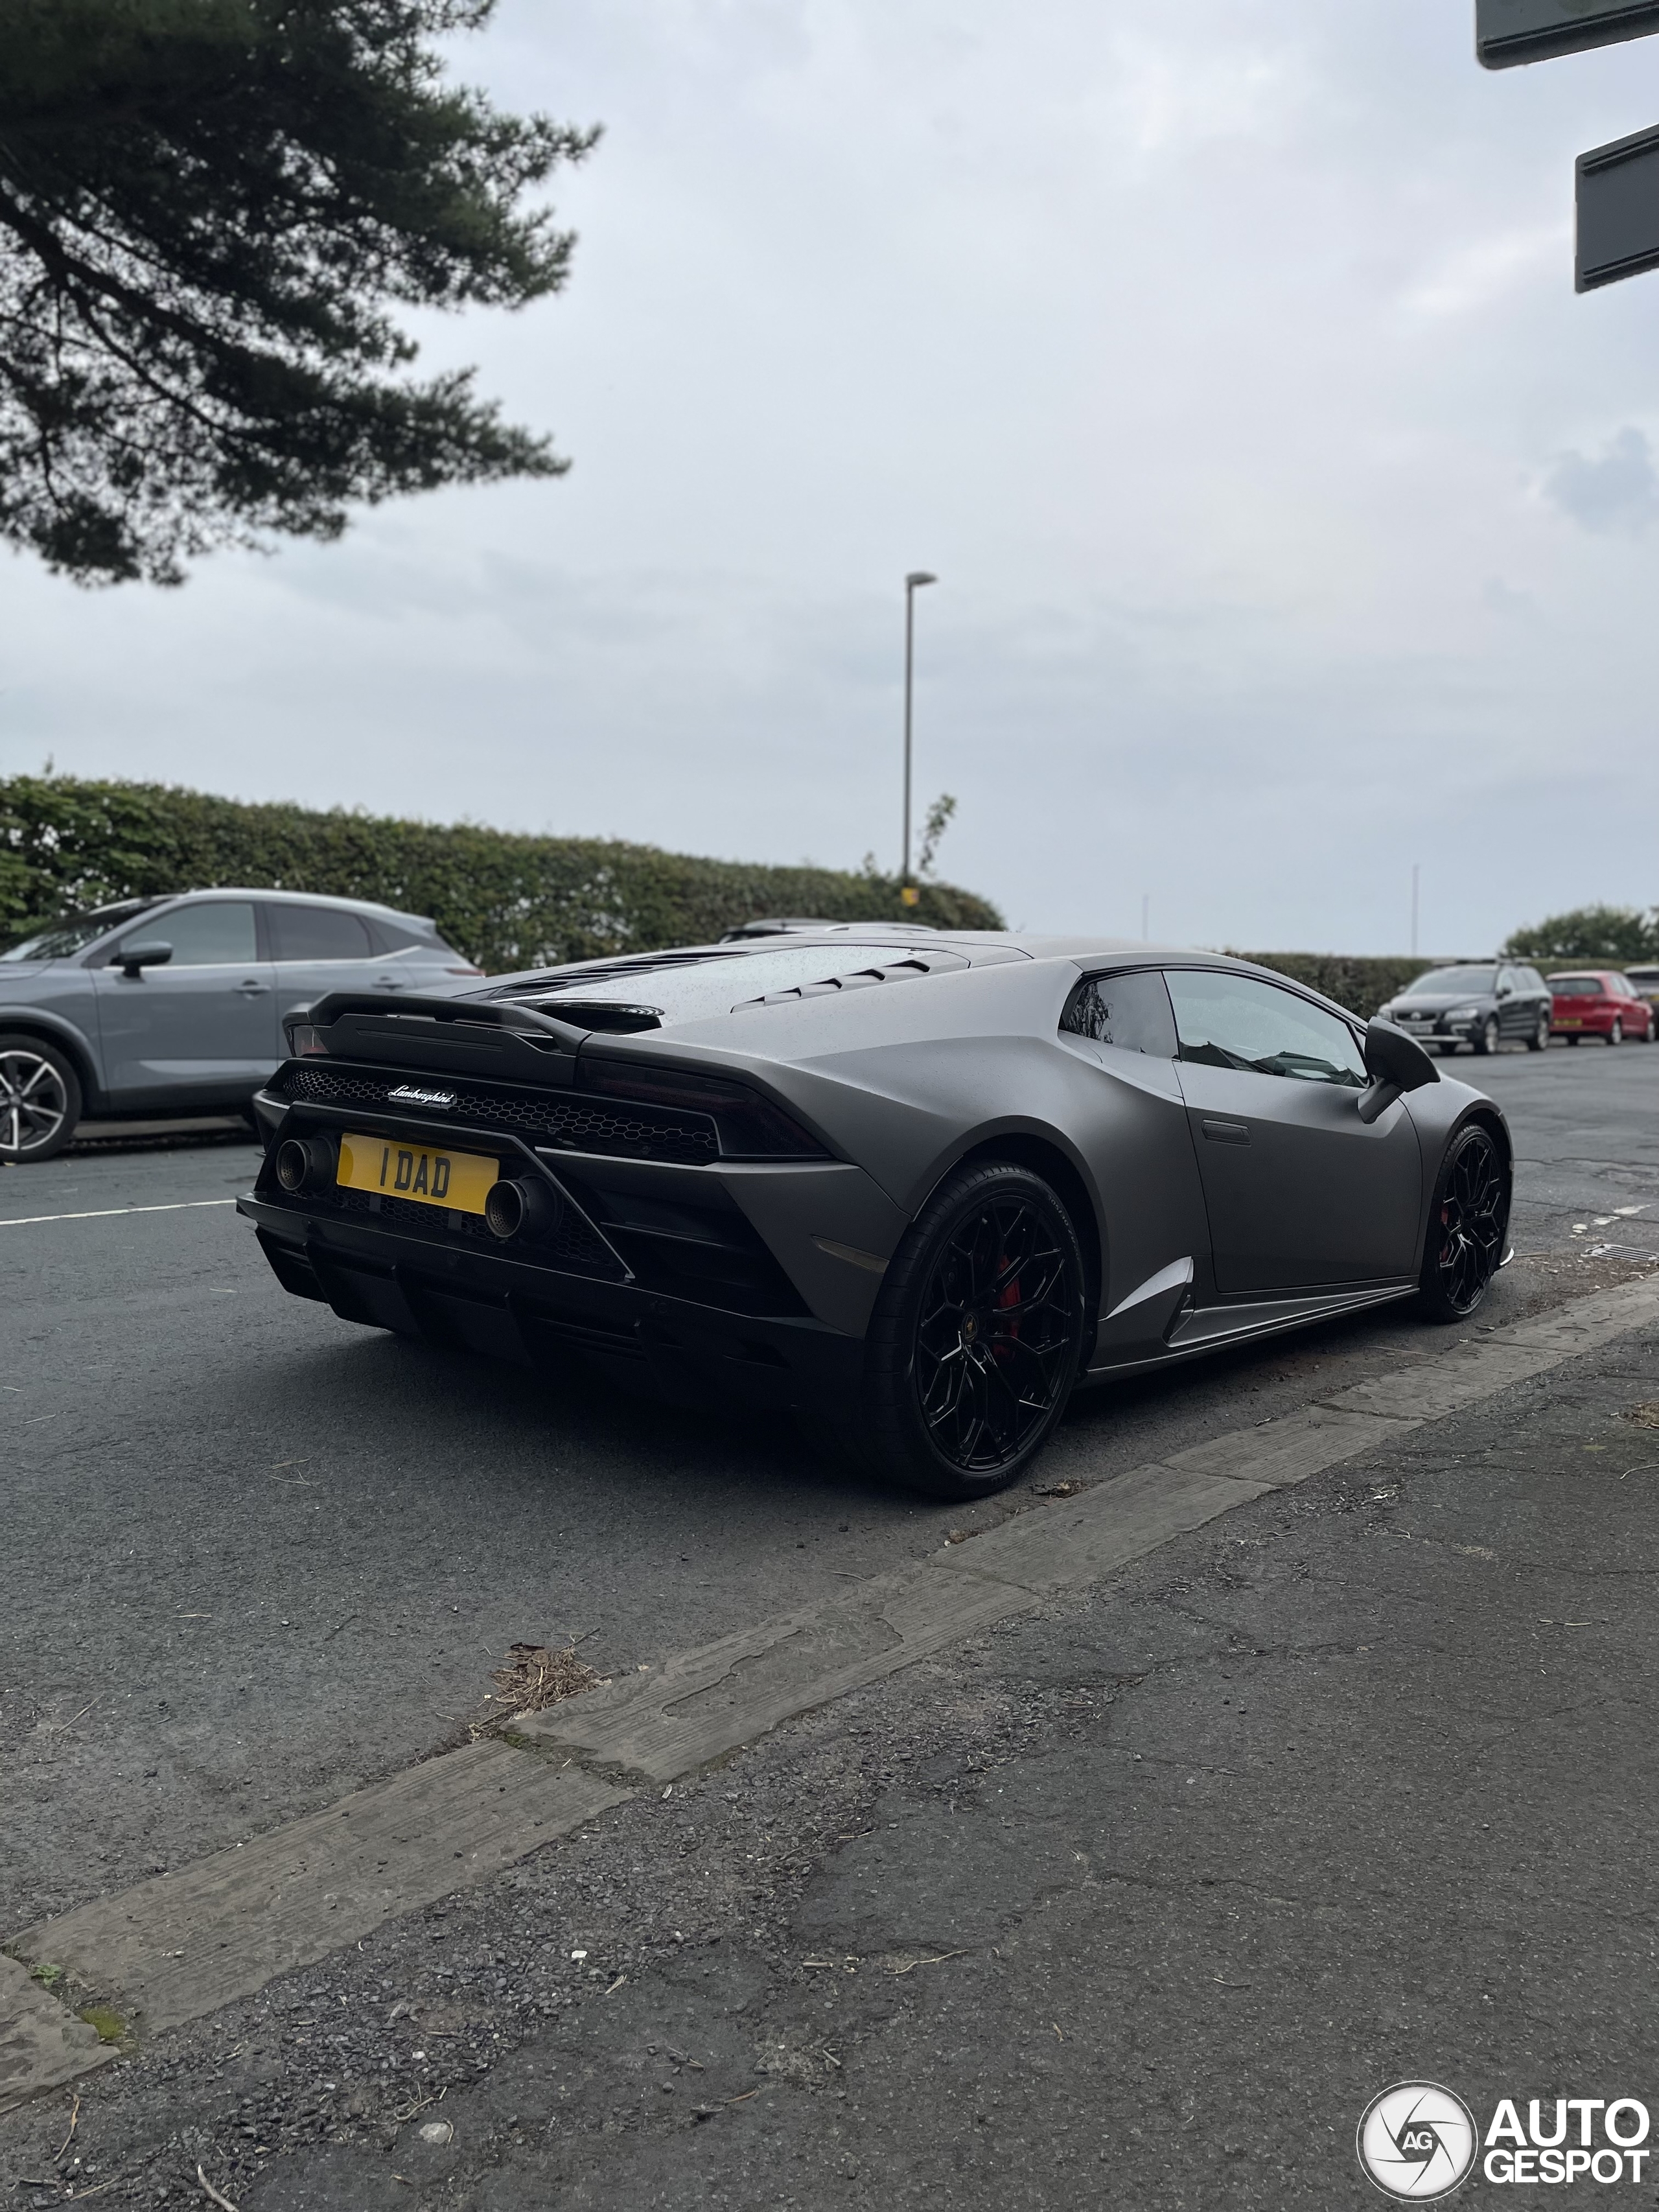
(460, 1179)
(1570, 1021)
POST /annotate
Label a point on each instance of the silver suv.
(175, 1005)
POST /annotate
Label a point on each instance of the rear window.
(1575, 987)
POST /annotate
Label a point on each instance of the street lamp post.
(913, 583)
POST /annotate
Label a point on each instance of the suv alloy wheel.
(40, 1099)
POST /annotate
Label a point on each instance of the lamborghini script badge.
(410, 1094)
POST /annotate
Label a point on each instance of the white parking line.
(106, 1213)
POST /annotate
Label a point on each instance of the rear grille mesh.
(574, 1121)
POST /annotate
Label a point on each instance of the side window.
(317, 933)
(1233, 1021)
(1131, 1011)
(217, 933)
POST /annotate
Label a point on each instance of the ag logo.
(1418, 2141)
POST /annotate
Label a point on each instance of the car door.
(1301, 1193)
(1515, 1012)
(199, 1030)
(319, 949)
(1132, 1127)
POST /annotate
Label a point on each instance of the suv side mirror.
(1506, 990)
(153, 953)
(1395, 1063)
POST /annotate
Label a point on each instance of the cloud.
(1480, 274)
(1253, 587)
(1617, 495)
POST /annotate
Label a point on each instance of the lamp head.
(918, 576)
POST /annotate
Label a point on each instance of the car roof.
(287, 898)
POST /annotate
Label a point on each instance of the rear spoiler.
(452, 1035)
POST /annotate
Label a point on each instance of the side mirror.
(1395, 1063)
(1506, 991)
(154, 953)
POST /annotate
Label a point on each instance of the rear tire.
(976, 1336)
(1469, 1224)
(40, 1099)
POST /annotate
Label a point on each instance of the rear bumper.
(533, 1314)
(604, 1292)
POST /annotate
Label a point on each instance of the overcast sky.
(1294, 521)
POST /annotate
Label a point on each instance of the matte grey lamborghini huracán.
(918, 1184)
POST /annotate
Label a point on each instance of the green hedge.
(507, 902)
(1359, 984)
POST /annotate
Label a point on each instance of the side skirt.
(1209, 1329)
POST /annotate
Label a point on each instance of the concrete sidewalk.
(1135, 1901)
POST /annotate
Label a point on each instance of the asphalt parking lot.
(256, 1558)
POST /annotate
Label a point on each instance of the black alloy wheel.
(1616, 1033)
(1467, 1225)
(976, 1335)
(40, 1099)
(1540, 1033)
(1486, 1041)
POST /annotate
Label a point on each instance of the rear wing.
(459, 1037)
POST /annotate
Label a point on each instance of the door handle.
(252, 989)
(1227, 1133)
(388, 983)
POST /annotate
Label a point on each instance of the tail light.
(750, 1126)
(304, 1041)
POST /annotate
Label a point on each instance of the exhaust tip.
(305, 1164)
(504, 1209)
(518, 1207)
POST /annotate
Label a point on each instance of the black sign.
(1617, 210)
(1508, 32)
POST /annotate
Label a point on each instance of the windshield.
(73, 933)
(1442, 982)
(683, 989)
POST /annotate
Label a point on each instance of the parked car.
(1644, 981)
(1600, 1002)
(1482, 1003)
(918, 1189)
(173, 1005)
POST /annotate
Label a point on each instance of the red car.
(1600, 1002)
